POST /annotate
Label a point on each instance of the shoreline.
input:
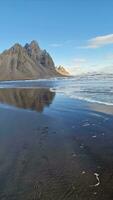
(61, 149)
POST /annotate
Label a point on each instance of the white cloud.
(99, 41)
(56, 45)
(109, 57)
(63, 43)
(77, 66)
(79, 61)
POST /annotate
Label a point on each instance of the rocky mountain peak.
(33, 49)
(34, 45)
(28, 62)
(44, 52)
(16, 47)
(62, 70)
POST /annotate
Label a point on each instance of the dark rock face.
(46, 60)
(28, 62)
(33, 50)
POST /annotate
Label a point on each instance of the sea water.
(89, 87)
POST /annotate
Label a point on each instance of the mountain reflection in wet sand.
(32, 98)
(62, 153)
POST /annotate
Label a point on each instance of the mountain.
(28, 62)
(62, 71)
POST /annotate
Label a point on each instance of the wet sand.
(53, 147)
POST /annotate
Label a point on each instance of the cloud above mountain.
(99, 41)
(79, 61)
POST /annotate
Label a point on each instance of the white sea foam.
(90, 88)
(98, 180)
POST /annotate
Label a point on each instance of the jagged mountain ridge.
(28, 62)
(62, 70)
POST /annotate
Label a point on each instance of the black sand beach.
(53, 147)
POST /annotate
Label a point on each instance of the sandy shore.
(54, 148)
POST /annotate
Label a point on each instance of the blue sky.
(77, 33)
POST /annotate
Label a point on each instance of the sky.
(78, 34)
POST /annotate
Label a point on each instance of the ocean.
(91, 87)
